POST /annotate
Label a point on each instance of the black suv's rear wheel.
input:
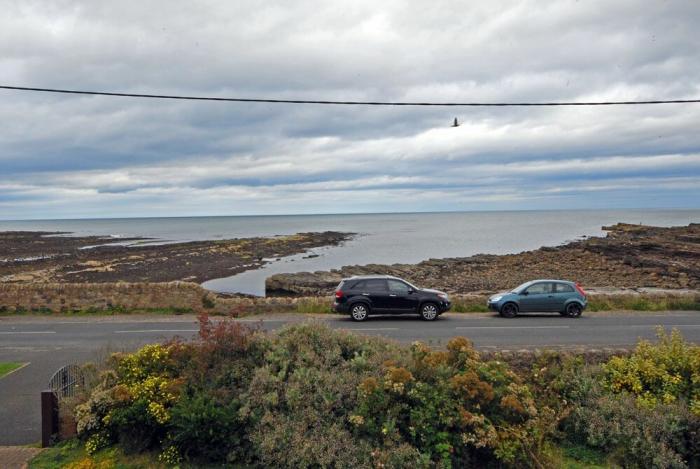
(509, 310)
(429, 312)
(359, 312)
(573, 310)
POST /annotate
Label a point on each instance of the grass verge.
(71, 454)
(644, 303)
(623, 302)
(8, 367)
(322, 305)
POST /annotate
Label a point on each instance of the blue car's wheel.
(573, 310)
(509, 310)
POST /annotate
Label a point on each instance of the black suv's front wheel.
(429, 312)
(359, 312)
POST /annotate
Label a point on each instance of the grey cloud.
(80, 156)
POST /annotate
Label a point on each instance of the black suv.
(370, 294)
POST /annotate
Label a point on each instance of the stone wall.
(192, 298)
(131, 297)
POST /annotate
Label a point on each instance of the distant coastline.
(629, 256)
(47, 257)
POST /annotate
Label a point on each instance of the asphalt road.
(46, 344)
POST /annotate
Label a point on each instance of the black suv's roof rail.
(356, 277)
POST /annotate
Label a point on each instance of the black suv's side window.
(375, 285)
(396, 286)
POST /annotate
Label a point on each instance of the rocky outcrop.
(30, 257)
(630, 256)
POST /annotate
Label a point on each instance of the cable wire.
(351, 103)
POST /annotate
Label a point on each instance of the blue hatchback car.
(566, 298)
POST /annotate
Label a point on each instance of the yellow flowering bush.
(132, 404)
(658, 374)
(452, 406)
(309, 396)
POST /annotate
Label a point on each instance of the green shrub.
(633, 437)
(452, 406)
(131, 405)
(661, 373)
(309, 396)
(304, 397)
(300, 400)
(592, 417)
(207, 302)
(203, 429)
(585, 455)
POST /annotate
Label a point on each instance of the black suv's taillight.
(338, 294)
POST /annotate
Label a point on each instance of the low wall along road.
(125, 297)
(187, 297)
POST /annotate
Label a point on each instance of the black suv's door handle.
(392, 294)
(366, 294)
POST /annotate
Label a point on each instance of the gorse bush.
(310, 396)
(131, 405)
(451, 405)
(630, 435)
(591, 415)
(661, 373)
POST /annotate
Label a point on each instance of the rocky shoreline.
(31, 257)
(629, 256)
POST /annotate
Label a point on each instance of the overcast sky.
(65, 156)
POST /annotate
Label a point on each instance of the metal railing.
(66, 381)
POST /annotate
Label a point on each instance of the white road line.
(27, 332)
(513, 327)
(260, 320)
(664, 325)
(137, 331)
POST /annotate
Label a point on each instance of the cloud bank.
(79, 156)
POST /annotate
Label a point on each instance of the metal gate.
(66, 381)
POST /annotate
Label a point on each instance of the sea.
(381, 238)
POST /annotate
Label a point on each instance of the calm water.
(382, 238)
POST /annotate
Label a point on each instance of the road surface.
(46, 343)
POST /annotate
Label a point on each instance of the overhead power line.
(352, 103)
